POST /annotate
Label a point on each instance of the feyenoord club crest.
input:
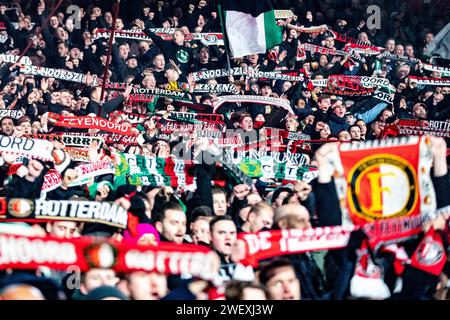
(20, 208)
(373, 191)
(101, 255)
(429, 252)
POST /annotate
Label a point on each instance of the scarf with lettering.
(186, 127)
(254, 247)
(218, 73)
(111, 138)
(91, 170)
(61, 74)
(409, 127)
(384, 178)
(147, 95)
(69, 140)
(133, 118)
(323, 50)
(217, 88)
(20, 252)
(347, 39)
(267, 244)
(34, 148)
(356, 86)
(392, 56)
(15, 114)
(253, 99)
(429, 81)
(431, 67)
(89, 123)
(208, 38)
(37, 211)
(152, 171)
(268, 167)
(13, 59)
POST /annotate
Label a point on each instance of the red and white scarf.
(89, 123)
(20, 252)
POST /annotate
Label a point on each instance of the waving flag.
(249, 26)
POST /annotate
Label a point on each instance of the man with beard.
(171, 225)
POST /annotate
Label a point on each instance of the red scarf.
(89, 123)
(19, 252)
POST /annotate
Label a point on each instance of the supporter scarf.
(364, 50)
(133, 118)
(396, 57)
(204, 87)
(284, 134)
(69, 140)
(209, 117)
(347, 39)
(253, 99)
(15, 114)
(78, 154)
(431, 67)
(276, 137)
(347, 85)
(236, 173)
(218, 73)
(252, 247)
(13, 59)
(349, 81)
(384, 96)
(87, 171)
(267, 244)
(61, 74)
(66, 210)
(34, 148)
(115, 86)
(355, 86)
(394, 230)
(111, 138)
(423, 127)
(429, 81)
(209, 38)
(269, 168)
(147, 95)
(284, 76)
(384, 179)
(152, 171)
(283, 14)
(178, 127)
(322, 50)
(52, 180)
(89, 123)
(215, 88)
(430, 255)
(20, 252)
(314, 29)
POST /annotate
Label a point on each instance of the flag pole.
(108, 59)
